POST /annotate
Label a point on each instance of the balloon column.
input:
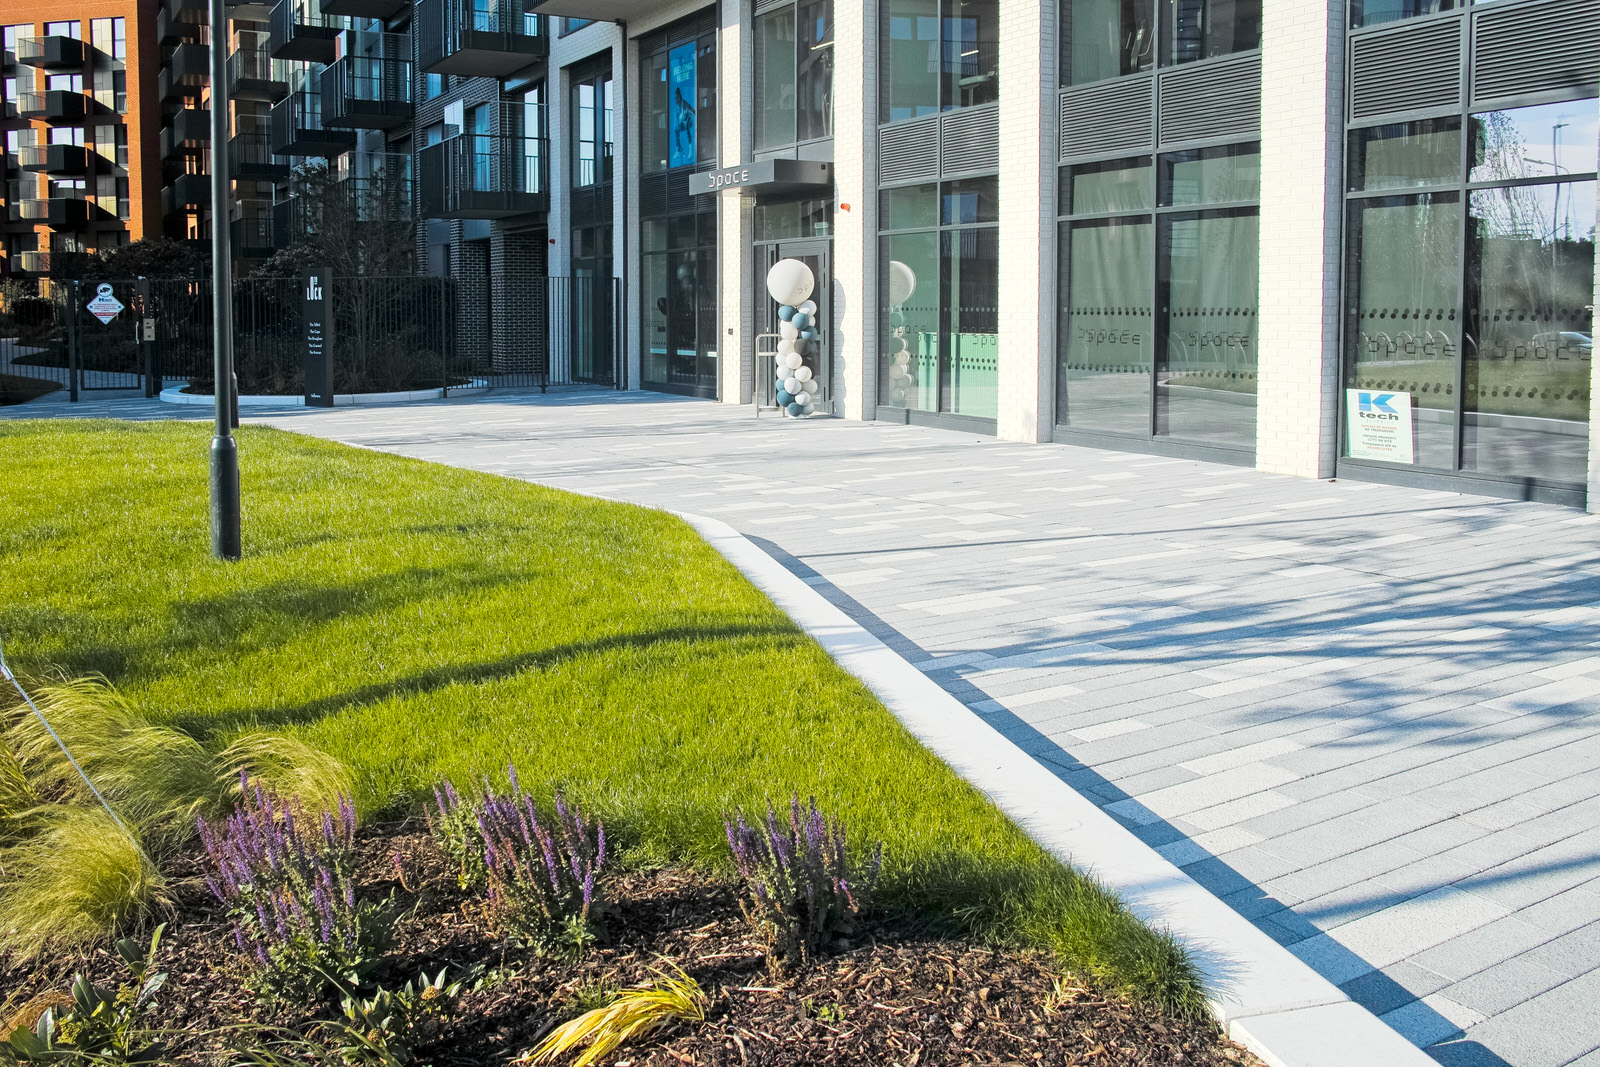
(902, 375)
(790, 283)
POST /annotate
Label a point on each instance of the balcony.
(296, 33)
(56, 106)
(297, 128)
(250, 157)
(365, 9)
(61, 160)
(253, 237)
(187, 133)
(56, 52)
(30, 263)
(254, 75)
(363, 93)
(493, 38)
(186, 73)
(188, 193)
(60, 212)
(483, 176)
(170, 29)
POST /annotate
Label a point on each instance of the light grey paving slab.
(1290, 686)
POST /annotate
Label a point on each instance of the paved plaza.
(1368, 717)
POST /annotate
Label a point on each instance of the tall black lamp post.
(225, 535)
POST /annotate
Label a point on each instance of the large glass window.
(794, 74)
(1204, 29)
(592, 103)
(1469, 297)
(940, 286)
(936, 55)
(680, 302)
(1158, 296)
(680, 91)
(1377, 12)
(1111, 38)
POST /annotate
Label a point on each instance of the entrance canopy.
(766, 177)
(607, 10)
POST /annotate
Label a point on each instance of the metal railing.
(478, 175)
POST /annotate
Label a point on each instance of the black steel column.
(225, 532)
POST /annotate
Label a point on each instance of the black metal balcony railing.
(253, 237)
(171, 28)
(254, 75)
(360, 92)
(477, 37)
(66, 160)
(186, 72)
(188, 132)
(58, 106)
(483, 176)
(188, 192)
(365, 9)
(59, 212)
(30, 263)
(56, 52)
(296, 33)
(297, 128)
(250, 157)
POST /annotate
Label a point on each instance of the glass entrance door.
(818, 255)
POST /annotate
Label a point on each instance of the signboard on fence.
(105, 306)
(319, 340)
(1380, 425)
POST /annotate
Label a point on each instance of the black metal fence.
(389, 334)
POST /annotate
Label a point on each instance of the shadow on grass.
(777, 637)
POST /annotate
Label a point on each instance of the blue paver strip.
(1438, 662)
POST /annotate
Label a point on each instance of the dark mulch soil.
(896, 996)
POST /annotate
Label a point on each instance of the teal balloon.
(800, 320)
(808, 335)
(785, 400)
(793, 409)
(786, 313)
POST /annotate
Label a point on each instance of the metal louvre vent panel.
(1536, 48)
(1107, 117)
(969, 140)
(909, 151)
(1216, 100)
(1408, 70)
(653, 194)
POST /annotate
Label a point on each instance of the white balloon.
(809, 307)
(896, 371)
(785, 348)
(793, 361)
(802, 398)
(807, 409)
(791, 385)
(803, 373)
(902, 282)
(788, 332)
(902, 359)
(790, 281)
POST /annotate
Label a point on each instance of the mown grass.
(418, 621)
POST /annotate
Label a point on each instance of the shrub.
(542, 875)
(803, 890)
(96, 1026)
(291, 895)
(385, 1029)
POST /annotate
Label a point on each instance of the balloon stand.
(796, 364)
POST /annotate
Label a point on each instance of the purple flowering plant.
(288, 882)
(802, 889)
(541, 871)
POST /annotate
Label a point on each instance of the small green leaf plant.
(99, 1027)
(382, 1030)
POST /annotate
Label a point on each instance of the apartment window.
(794, 74)
(592, 144)
(939, 264)
(110, 36)
(680, 121)
(1376, 12)
(936, 55)
(1103, 39)
(573, 25)
(1158, 296)
(432, 86)
(1468, 290)
(70, 83)
(72, 28)
(8, 40)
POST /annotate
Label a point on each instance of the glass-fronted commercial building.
(1353, 241)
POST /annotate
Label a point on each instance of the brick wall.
(1302, 137)
(518, 303)
(1027, 219)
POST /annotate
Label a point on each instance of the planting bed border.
(1264, 996)
(176, 395)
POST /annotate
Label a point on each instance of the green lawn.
(419, 621)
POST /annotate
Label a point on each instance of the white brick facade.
(855, 244)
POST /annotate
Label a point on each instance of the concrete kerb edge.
(1265, 997)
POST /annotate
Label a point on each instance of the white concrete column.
(1027, 219)
(1302, 139)
(558, 106)
(1594, 380)
(735, 217)
(855, 217)
(630, 136)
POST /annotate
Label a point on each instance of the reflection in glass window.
(970, 338)
(1228, 175)
(814, 70)
(1530, 281)
(909, 207)
(1551, 140)
(936, 55)
(969, 201)
(1116, 185)
(1404, 324)
(911, 310)
(794, 74)
(1204, 29)
(680, 104)
(775, 79)
(1106, 39)
(1206, 361)
(1106, 339)
(1377, 12)
(971, 53)
(1406, 154)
